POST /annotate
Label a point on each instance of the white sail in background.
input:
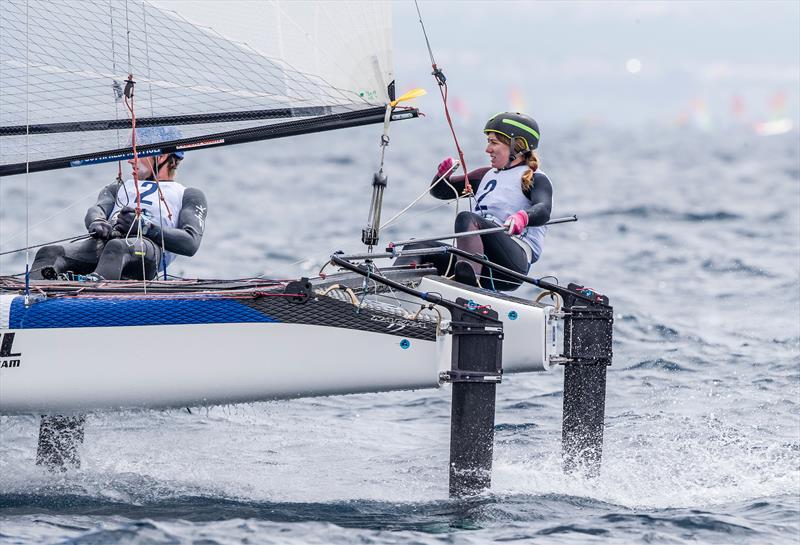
(208, 67)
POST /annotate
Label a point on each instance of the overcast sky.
(616, 62)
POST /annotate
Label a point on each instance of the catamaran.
(72, 98)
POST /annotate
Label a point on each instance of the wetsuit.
(181, 228)
(498, 194)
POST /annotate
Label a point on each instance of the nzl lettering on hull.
(8, 358)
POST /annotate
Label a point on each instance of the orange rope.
(130, 107)
(161, 194)
(440, 79)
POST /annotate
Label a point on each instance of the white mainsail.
(347, 44)
(208, 67)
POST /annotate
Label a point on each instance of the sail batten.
(64, 64)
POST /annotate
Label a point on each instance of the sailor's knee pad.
(50, 253)
(117, 247)
(466, 221)
(45, 263)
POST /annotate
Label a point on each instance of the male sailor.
(124, 245)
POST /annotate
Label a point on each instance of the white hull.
(77, 369)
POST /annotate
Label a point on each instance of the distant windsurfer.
(512, 193)
(172, 222)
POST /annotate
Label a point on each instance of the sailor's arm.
(444, 191)
(541, 200)
(185, 238)
(104, 205)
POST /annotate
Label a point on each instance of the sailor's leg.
(146, 262)
(115, 256)
(124, 259)
(79, 257)
(60, 437)
(500, 248)
(48, 258)
(470, 221)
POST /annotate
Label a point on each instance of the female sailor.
(512, 192)
(172, 220)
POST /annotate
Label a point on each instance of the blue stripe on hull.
(109, 312)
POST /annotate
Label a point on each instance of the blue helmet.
(154, 135)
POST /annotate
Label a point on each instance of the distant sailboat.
(778, 123)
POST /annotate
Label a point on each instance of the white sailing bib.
(500, 195)
(163, 213)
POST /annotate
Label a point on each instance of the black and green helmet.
(514, 125)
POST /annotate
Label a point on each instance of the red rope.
(161, 194)
(133, 145)
(443, 91)
(132, 110)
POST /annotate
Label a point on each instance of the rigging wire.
(51, 217)
(147, 57)
(27, 156)
(128, 37)
(406, 216)
(70, 239)
(162, 200)
(421, 195)
(441, 81)
(116, 88)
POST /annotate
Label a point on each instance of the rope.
(441, 80)
(129, 94)
(421, 195)
(350, 293)
(557, 299)
(129, 103)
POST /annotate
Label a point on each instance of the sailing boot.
(465, 274)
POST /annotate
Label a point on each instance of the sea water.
(695, 237)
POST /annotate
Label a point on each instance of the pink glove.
(444, 167)
(516, 222)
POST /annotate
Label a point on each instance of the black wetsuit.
(116, 258)
(499, 248)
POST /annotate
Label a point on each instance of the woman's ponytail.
(527, 176)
